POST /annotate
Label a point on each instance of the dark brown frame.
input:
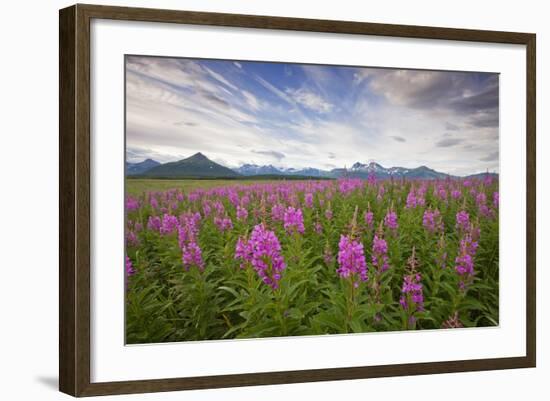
(74, 199)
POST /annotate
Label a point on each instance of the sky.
(304, 115)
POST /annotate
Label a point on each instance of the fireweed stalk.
(369, 218)
(191, 253)
(352, 266)
(129, 267)
(390, 221)
(412, 297)
(293, 223)
(380, 263)
(263, 252)
(464, 262)
(432, 221)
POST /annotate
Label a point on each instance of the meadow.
(215, 259)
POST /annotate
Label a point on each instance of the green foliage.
(166, 303)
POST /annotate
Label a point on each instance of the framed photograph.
(250, 200)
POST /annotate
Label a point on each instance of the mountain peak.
(198, 156)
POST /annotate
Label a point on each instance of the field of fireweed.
(311, 257)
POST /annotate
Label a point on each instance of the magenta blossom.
(390, 220)
(169, 224)
(192, 256)
(243, 251)
(154, 223)
(266, 255)
(432, 221)
(131, 204)
(223, 223)
(464, 262)
(242, 213)
(129, 267)
(463, 220)
(277, 212)
(293, 220)
(412, 298)
(369, 219)
(379, 256)
(351, 260)
(308, 199)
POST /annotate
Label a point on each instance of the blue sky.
(297, 115)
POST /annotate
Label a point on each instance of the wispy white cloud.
(310, 100)
(310, 116)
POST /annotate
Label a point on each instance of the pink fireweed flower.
(242, 213)
(131, 204)
(277, 212)
(154, 223)
(351, 260)
(132, 239)
(266, 256)
(412, 298)
(188, 229)
(219, 207)
(223, 223)
(308, 200)
(193, 196)
(206, 209)
(293, 220)
(129, 267)
(379, 256)
(243, 251)
(154, 203)
(369, 218)
(496, 199)
(245, 200)
(463, 220)
(347, 185)
(432, 221)
(169, 224)
(192, 256)
(411, 200)
(233, 197)
(464, 262)
(390, 220)
(481, 198)
(456, 194)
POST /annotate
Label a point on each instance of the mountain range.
(141, 167)
(200, 166)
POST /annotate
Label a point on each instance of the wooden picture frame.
(74, 199)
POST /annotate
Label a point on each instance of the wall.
(28, 164)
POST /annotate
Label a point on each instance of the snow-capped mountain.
(357, 170)
(254, 169)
